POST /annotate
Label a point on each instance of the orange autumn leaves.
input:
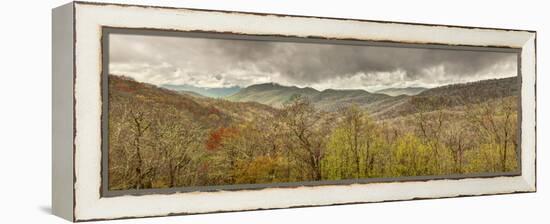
(216, 137)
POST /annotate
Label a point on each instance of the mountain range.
(386, 103)
(277, 96)
(409, 91)
(204, 91)
(255, 100)
(211, 112)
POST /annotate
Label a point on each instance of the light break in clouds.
(205, 62)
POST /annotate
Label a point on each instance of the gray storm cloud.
(218, 62)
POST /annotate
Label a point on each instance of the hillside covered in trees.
(268, 133)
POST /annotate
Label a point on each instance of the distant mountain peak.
(345, 90)
(277, 95)
(264, 85)
(409, 91)
(275, 84)
(213, 92)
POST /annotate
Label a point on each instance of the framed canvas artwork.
(168, 111)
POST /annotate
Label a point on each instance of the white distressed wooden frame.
(77, 118)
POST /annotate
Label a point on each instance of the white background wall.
(25, 112)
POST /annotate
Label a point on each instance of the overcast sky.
(224, 63)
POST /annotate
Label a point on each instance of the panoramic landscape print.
(191, 112)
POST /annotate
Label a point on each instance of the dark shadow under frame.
(106, 31)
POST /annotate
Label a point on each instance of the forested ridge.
(160, 138)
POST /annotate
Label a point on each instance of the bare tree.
(458, 139)
(140, 124)
(430, 125)
(358, 132)
(309, 128)
(497, 122)
(176, 142)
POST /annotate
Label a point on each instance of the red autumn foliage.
(216, 137)
(213, 110)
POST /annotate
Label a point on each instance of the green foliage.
(354, 148)
(412, 158)
(489, 158)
